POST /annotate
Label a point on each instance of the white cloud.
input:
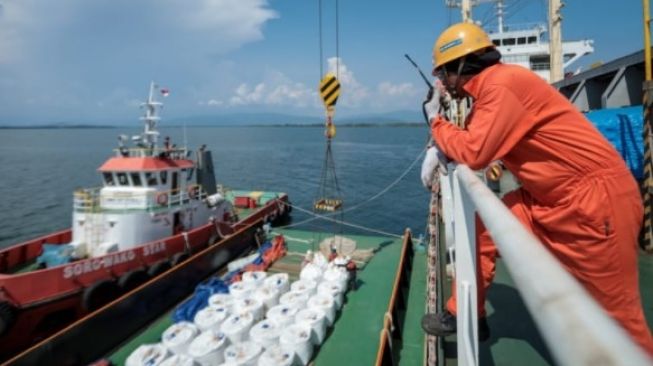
(86, 49)
(217, 25)
(246, 95)
(239, 19)
(396, 90)
(352, 93)
(275, 90)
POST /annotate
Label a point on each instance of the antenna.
(426, 80)
(185, 137)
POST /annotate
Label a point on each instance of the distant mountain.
(245, 119)
(240, 119)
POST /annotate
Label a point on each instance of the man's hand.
(436, 98)
(433, 160)
(431, 105)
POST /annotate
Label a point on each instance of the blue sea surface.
(42, 168)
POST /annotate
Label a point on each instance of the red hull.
(35, 304)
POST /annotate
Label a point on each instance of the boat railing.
(141, 152)
(540, 66)
(532, 26)
(90, 200)
(573, 325)
(391, 333)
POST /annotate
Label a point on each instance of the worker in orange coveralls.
(577, 196)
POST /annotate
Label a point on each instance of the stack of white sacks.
(264, 320)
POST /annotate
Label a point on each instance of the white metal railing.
(575, 328)
(91, 200)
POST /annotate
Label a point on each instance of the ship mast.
(466, 10)
(555, 40)
(150, 134)
(500, 16)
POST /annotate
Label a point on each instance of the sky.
(82, 61)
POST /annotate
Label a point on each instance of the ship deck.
(355, 336)
(514, 338)
(354, 339)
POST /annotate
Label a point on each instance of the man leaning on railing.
(577, 196)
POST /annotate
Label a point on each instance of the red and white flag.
(165, 92)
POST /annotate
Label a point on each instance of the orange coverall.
(577, 195)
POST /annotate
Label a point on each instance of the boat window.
(521, 40)
(122, 179)
(532, 39)
(190, 174)
(496, 42)
(164, 177)
(108, 179)
(509, 42)
(175, 182)
(136, 179)
(150, 178)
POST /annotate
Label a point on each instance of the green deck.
(354, 338)
(515, 339)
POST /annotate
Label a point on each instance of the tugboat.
(157, 206)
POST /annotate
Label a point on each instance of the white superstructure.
(526, 45)
(148, 193)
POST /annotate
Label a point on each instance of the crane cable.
(315, 216)
(329, 194)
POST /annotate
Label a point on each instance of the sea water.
(42, 168)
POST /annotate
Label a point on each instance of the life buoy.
(7, 317)
(99, 294)
(132, 279)
(162, 198)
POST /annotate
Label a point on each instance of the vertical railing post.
(465, 269)
(446, 182)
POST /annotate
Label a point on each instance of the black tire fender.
(178, 258)
(158, 268)
(213, 239)
(132, 279)
(99, 293)
(7, 316)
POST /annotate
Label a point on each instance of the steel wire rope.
(488, 16)
(372, 198)
(337, 42)
(340, 222)
(320, 38)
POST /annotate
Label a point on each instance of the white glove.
(433, 160)
(436, 98)
(431, 105)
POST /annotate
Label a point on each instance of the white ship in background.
(526, 44)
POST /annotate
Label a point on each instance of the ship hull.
(35, 304)
(139, 306)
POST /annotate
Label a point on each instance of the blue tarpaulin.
(55, 255)
(187, 310)
(623, 128)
